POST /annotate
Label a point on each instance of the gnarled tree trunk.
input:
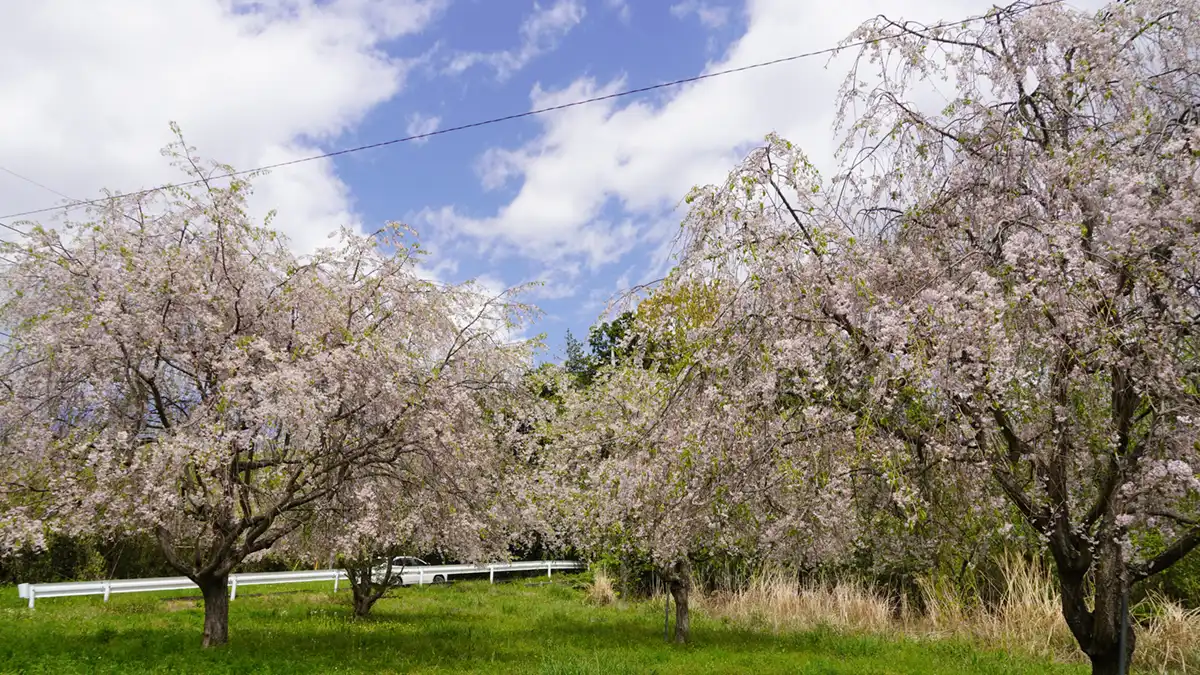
(365, 590)
(679, 581)
(1098, 630)
(363, 600)
(216, 609)
(215, 555)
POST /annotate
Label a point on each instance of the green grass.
(464, 627)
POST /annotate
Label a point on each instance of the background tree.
(579, 363)
(610, 343)
(672, 463)
(454, 491)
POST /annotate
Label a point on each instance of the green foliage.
(64, 559)
(581, 365)
(724, 572)
(87, 559)
(517, 627)
(1179, 582)
(633, 573)
(540, 383)
(607, 340)
(611, 343)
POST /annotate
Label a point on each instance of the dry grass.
(179, 605)
(1027, 619)
(774, 600)
(1172, 638)
(600, 591)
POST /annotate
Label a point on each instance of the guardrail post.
(337, 576)
(107, 589)
(491, 574)
(548, 564)
(420, 577)
(233, 593)
(32, 594)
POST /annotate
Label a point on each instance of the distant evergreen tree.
(581, 365)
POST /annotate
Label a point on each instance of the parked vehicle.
(408, 570)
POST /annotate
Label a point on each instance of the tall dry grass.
(1172, 639)
(1027, 617)
(601, 591)
(775, 600)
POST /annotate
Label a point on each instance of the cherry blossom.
(171, 367)
(997, 298)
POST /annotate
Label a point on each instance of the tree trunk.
(364, 596)
(363, 602)
(1107, 664)
(1098, 630)
(216, 609)
(1111, 613)
(364, 590)
(680, 580)
(1106, 658)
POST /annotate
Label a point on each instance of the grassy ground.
(464, 627)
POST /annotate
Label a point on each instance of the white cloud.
(437, 272)
(554, 290)
(496, 166)
(89, 87)
(711, 16)
(621, 7)
(419, 125)
(556, 284)
(541, 32)
(638, 158)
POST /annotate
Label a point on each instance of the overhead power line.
(516, 116)
(32, 182)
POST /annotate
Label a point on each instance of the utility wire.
(34, 182)
(516, 116)
(31, 181)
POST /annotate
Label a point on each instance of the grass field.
(514, 627)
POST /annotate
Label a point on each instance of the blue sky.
(655, 45)
(585, 199)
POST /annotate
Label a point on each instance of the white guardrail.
(412, 574)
